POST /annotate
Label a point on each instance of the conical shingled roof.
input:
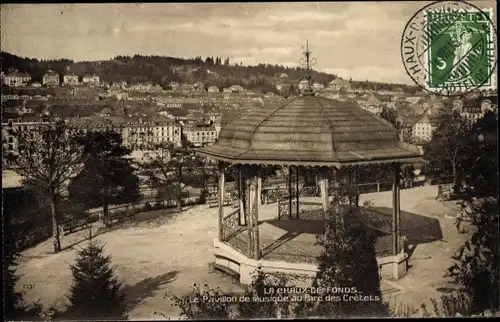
(309, 130)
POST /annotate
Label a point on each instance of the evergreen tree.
(107, 176)
(95, 291)
(14, 306)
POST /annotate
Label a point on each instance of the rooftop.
(312, 131)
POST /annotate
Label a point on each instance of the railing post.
(396, 210)
(241, 196)
(221, 200)
(297, 188)
(378, 186)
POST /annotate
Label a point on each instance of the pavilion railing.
(376, 220)
(230, 225)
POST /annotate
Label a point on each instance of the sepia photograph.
(250, 160)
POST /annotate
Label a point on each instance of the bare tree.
(173, 168)
(47, 158)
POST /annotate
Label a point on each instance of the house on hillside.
(237, 89)
(339, 84)
(199, 87)
(107, 111)
(119, 85)
(373, 105)
(51, 78)
(318, 86)
(91, 79)
(16, 79)
(474, 109)
(70, 79)
(213, 89)
(174, 85)
(303, 84)
(413, 99)
(424, 127)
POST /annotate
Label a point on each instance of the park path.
(162, 254)
(429, 261)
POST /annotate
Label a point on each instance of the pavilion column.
(350, 191)
(396, 213)
(356, 187)
(323, 183)
(255, 219)
(290, 196)
(241, 196)
(248, 201)
(221, 199)
(297, 189)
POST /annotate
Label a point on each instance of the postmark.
(449, 48)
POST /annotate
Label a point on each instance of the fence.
(41, 234)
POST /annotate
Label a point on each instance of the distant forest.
(161, 70)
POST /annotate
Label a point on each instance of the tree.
(347, 268)
(95, 291)
(14, 305)
(107, 176)
(47, 159)
(476, 267)
(390, 116)
(447, 149)
(174, 168)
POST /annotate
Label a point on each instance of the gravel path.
(164, 254)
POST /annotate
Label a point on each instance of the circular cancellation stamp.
(449, 48)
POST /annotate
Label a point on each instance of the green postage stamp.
(449, 48)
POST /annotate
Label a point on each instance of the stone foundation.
(390, 267)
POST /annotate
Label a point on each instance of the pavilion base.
(301, 274)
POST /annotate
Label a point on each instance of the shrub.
(147, 207)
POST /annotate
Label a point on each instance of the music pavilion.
(330, 138)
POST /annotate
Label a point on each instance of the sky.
(353, 40)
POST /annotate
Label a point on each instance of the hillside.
(161, 70)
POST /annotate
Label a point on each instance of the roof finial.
(307, 63)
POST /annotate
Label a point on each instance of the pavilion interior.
(295, 240)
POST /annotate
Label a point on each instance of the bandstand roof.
(310, 131)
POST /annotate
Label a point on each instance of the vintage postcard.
(250, 160)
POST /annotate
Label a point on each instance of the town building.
(16, 79)
(138, 134)
(51, 78)
(213, 89)
(303, 84)
(174, 85)
(13, 126)
(474, 109)
(70, 79)
(200, 133)
(119, 85)
(424, 128)
(339, 84)
(318, 86)
(91, 79)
